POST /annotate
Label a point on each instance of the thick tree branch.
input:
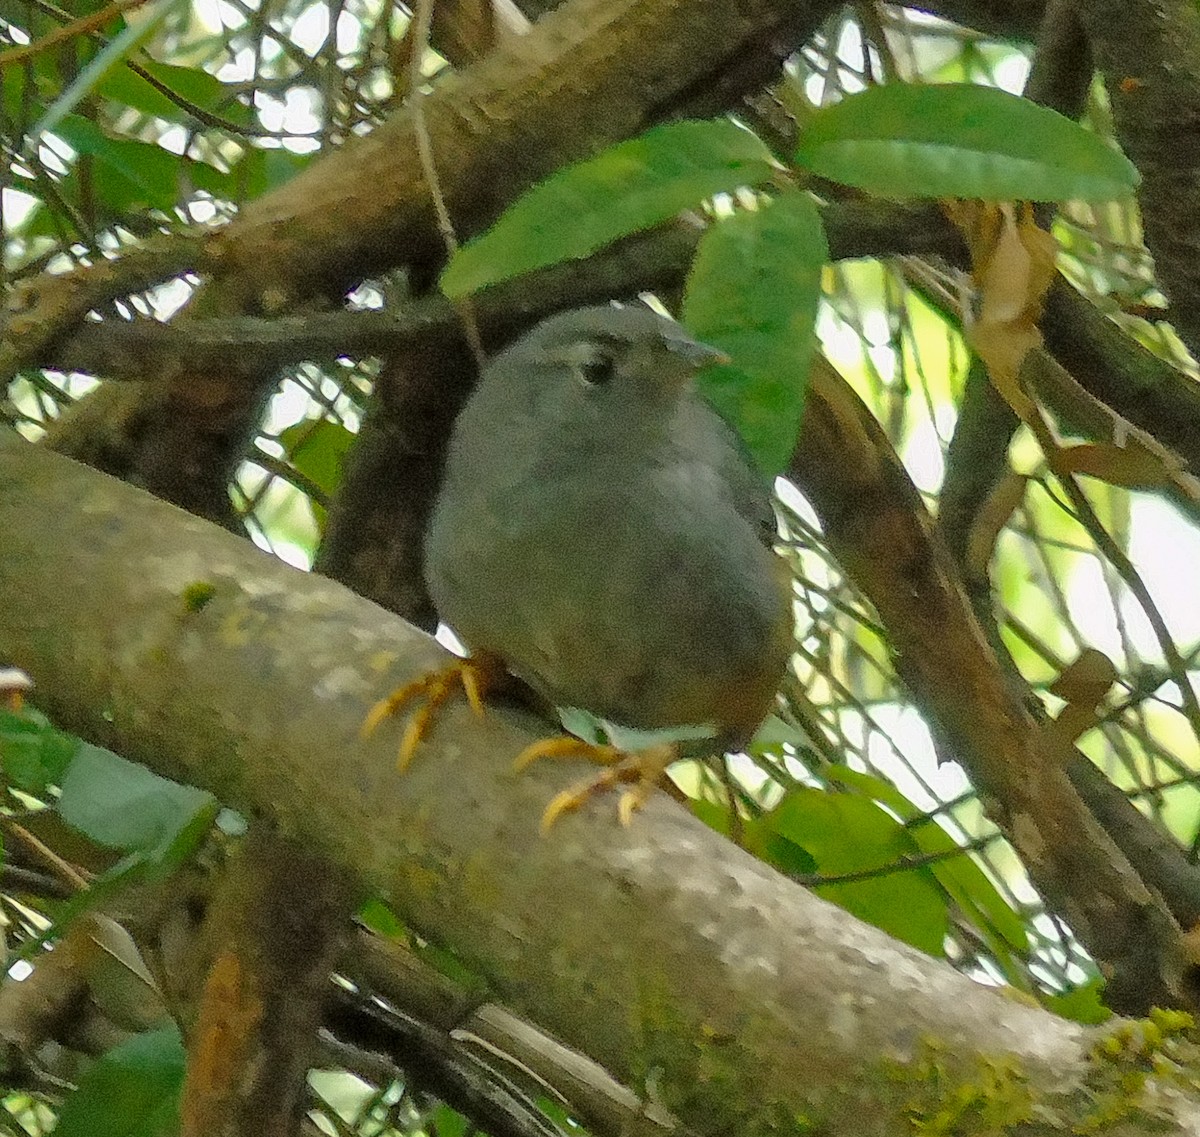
(247, 347)
(589, 74)
(1147, 52)
(1012, 19)
(274, 929)
(878, 528)
(690, 970)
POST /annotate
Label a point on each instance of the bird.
(602, 534)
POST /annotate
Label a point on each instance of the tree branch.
(1146, 50)
(881, 533)
(693, 972)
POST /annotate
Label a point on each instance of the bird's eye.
(597, 369)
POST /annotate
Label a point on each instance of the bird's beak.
(697, 354)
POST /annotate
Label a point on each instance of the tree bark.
(695, 973)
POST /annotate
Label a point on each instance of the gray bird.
(601, 532)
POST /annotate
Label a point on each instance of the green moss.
(709, 1069)
(985, 1099)
(197, 594)
(940, 1092)
(1161, 1046)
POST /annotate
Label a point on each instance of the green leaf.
(582, 724)
(124, 806)
(1081, 1004)
(33, 754)
(377, 916)
(120, 47)
(960, 140)
(132, 1091)
(447, 1122)
(450, 966)
(753, 291)
(960, 876)
(318, 448)
(844, 834)
(263, 170)
(773, 733)
(715, 816)
(760, 838)
(193, 84)
(14, 87)
(629, 187)
(131, 175)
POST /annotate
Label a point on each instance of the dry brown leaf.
(1061, 733)
(1087, 680)
(1133, 464)
(1083, 685)
(1006, 495)
(1014, 266)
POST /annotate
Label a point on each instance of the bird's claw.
(433, 689)
(643, 768)
(564, 746)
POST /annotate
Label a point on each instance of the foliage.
(132, 1091)
(755, 285)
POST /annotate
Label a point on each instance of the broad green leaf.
(845, 834)
(254, 174)
(317, 448)
(1081, 1004)
(629, 187)
(377, 916)
(753, 291)
(131, 174)
(124, 806)
(716, 817)
(960, 876)
(450, 966)
(119, 48)
(193, 84)
(773, 733)
(960, 140)
(132, 1091)
(263, 170)
(13, 84)
(33, 754)
(37, 233)
(582, 724)
(761, 838)
(450, 1123)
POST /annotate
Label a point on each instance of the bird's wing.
(749, 490)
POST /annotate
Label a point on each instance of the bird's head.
(615, 353)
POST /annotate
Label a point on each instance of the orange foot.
(643, 768)
(476, 675)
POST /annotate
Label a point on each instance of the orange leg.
(475, 675)
(643, 768)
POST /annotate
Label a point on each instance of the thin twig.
(419, 36)
(67, 871)
(83, 26)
